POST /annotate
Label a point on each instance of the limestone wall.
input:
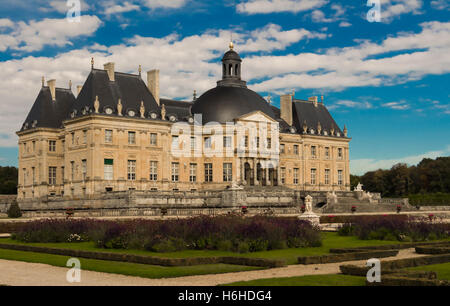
(5, 201)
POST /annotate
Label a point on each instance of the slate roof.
(181, 109)
(130, 88)
(306, 111)
(48, 113)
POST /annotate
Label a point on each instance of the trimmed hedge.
(433, 250)
(393, 280)
(148, 260)
(333, 258)
(392, 247)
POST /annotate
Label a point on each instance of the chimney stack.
(79, 88)
(153, 83)
(314, 100)
(52, 85)
(286, 108)
(109, 67)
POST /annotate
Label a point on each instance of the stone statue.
(163, 112)
(96, 104)
(119, 108)
(359, 187)
(142, 110)
(331, 197)
(308, 204)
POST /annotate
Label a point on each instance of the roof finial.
(269, 99)
(92, 63)
(70, 84)
(140, 70)
(231, 45)
(195, 94)
(43, 81)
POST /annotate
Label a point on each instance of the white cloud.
(6, 23)
(345, 24)
(277, 6)
(361, 166)
(440, 4)
(366, 64)
(351, 104)
(319, 16)
(396, 105)
(394, 8)
(119, 9)
(170, 4)
(61, 6)
(33, 36)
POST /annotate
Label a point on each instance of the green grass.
(309, 280)
(330, 240)
(442, 270)
(124, 268)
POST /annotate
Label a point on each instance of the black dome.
(225, 103)
(231, 55)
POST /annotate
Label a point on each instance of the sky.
(387, 81)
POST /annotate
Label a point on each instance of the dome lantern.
(231, 69)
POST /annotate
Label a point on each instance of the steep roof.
(130, 88)
(306, 111)
(47, 113)
(181, 109)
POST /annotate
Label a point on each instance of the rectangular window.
(296, 149)
(175, 143)
(52, 176)
(340, 178)
(327, 176)
(24, 171)
(108, 169)
(72, 170)
(313, 152)
(52, 145)
(108, 136)
(175, 172)
(63, 174)
(340, 154)
(131, 170)
(193, 143)
(227, 141)
(193, 173)
(327, 152)
(34, 146)
(153, 170)
(282, 148)
(131, 138)
(227, 172)
(208, 144)
(246, 141)
(153, 139)
(283, 175)
(208, 172)
(269, 143)
(84, 169)
(296, 172)
(257, 142)
(313, 176)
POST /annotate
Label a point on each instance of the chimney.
(153, 83)
(314, 100)
(109, 67)
(52, 85)
(79, 88)
(286, 108)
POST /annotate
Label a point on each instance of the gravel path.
(16, 273)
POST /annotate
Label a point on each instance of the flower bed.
(226, 233)
(395, 228)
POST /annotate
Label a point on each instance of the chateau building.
(117, 134)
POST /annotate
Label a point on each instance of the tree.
(8, 180)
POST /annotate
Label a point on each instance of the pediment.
(256, 116)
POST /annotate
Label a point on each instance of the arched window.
(230, 70)
(236, 70)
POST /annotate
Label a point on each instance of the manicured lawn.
(330, 240)
(442, 270)
(124, 268)
(310, 280)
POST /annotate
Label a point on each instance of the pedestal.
(310, 217)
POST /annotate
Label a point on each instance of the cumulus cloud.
(402, 105)
(62, 7)
(391, 9)
(119, 9)
(361, 166)
(164, 3)
(34, 35)
(440, 4)
(277, 6)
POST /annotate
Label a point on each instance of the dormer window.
(109, 111)
(131, 113)
(153, 115)
(172, 118)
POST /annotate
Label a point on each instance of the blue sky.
(387, 81)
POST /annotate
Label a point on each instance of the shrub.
(230, 232)
(14, 210)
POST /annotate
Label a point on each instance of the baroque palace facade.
(117, 134)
